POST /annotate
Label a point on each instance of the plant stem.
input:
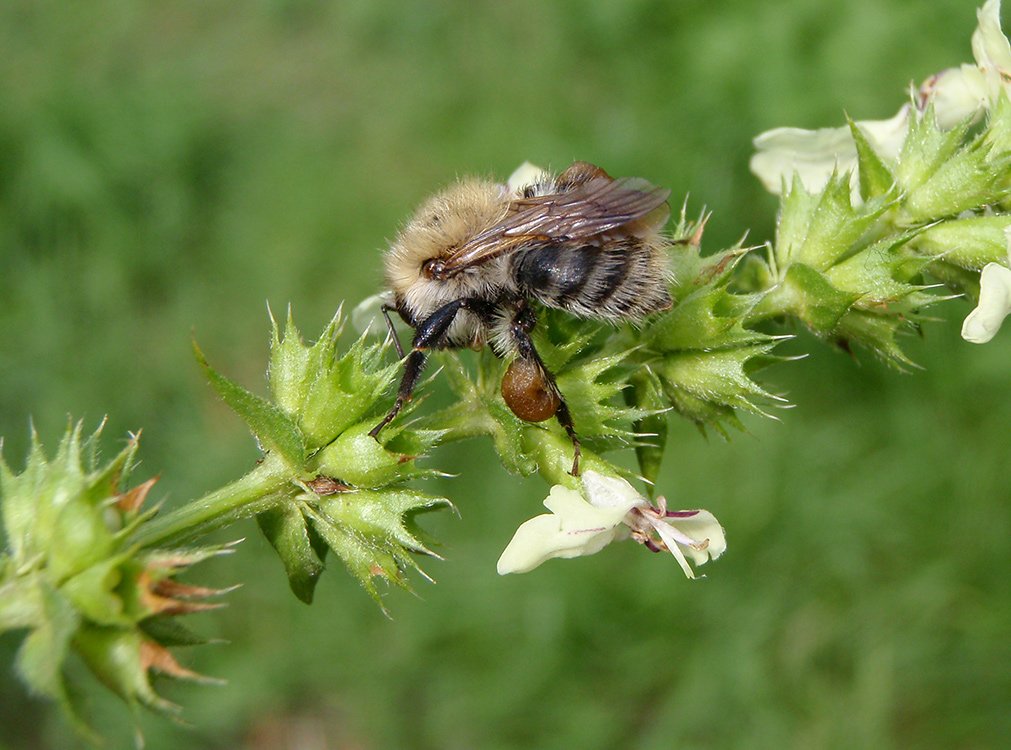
(245, 496)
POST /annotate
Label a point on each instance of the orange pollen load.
(528, 393)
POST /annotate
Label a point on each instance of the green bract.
(878, 221)
(74, 579)
(336, 488)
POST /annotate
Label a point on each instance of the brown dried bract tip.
(131, 501)
(527, 391)
(323, 485)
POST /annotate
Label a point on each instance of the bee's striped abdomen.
(616, 281)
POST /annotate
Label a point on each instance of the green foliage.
(75, 581)
(327, 455)
(137, 204)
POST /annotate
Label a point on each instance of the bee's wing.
(591, 209)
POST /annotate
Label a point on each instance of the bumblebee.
(467, 268)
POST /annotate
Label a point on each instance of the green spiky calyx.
(340, 489)
(861, 269)
(76, 582)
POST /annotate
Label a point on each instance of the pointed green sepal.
(877, 332)
(646, 395)
(324, 391)
(968, 243)
(705, 385)
(876, 179)
(944, 176)
(362, 461)
(41, 658)
(709, 318)
(882, 273)
(296, 544)
(273, 428)
(818, 229)
(809, 296)
(368, 531)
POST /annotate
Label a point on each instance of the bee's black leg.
(522, 324)
(393, 332)
(430, 333)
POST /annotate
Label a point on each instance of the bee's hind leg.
(522, 324)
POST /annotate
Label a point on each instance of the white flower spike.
(956, 94)
(815, 155)
(614, 510)
(982, 323)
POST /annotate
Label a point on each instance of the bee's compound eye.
(434, 268)
(528, 393)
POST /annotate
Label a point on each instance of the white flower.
(964, 92)
(614, 510)
(367, 317)
(956, 94)
(815, 154)
(982, 323)
(525, 174)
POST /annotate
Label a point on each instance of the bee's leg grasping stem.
(523, 323)
(413, 366)
(565, 420)
(431, 333)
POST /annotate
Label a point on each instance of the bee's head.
(443, 223)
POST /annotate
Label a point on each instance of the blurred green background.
(166, 168)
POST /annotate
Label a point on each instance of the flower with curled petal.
(609, 508)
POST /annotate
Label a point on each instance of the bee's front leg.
(431, 333)
(386, 310)
(522, 324)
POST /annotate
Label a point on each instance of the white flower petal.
(812, 154)
(957, 94)
(989, 45)
(982, 323)
(573, 529)
(887, 136)
(611, 492)
(815, 154)
(525, 174)
(985, 320)
(702, 526)
(676, 549)
(575, 513)
(700, 536)
(367, 317)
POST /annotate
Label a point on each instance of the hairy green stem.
(253, 493)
